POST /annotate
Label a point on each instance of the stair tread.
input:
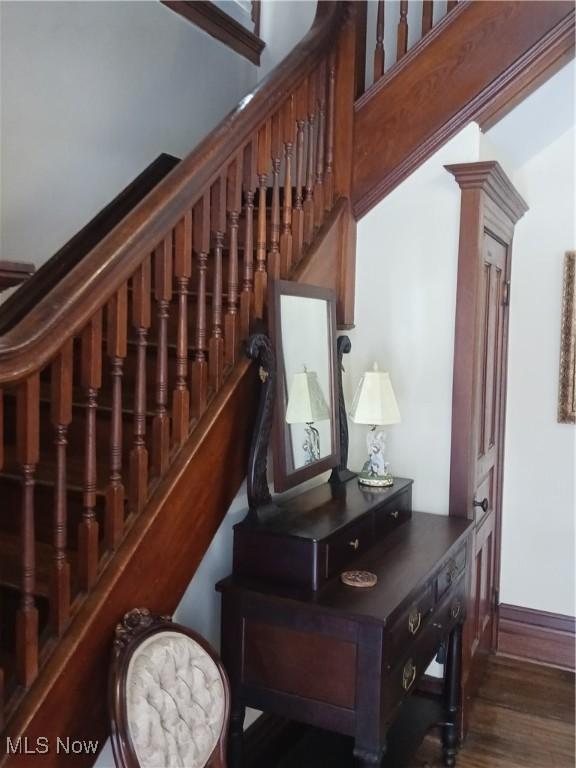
(10, 558)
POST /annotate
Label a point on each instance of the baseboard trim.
(538, 636)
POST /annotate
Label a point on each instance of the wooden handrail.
(65, 310)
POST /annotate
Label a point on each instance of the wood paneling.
(538, 636)
(478, 58)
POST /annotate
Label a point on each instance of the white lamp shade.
(374, 401)
(306, 401)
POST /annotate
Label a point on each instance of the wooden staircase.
(126, 402)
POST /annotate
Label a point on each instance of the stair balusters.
(28, 453)
(117, 322)
(218, 226)
(298, 216)
(61, 416)
(402, 45)
(427, 12)
(141, 319)
(379, 54)
(329, 174)
(250, 182)
(182, 274)
(320, 145)
(91, 375)
(276, 154)
(260, 277)
(288, 131)
(310, 162)
(233, 204)
(163, 295)
(201, 240)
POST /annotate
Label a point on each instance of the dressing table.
(298, 642)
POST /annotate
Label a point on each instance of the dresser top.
(403, 561)
(325, 509)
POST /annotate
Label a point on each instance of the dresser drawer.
(452, 609)
(410, 624)
(451, 572)
(403, 677)
(393, 513)
(342, 549)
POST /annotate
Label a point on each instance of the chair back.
(169, 696)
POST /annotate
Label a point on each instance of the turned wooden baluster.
(260, 278)
(141, 319)
(427, 12)
(379, 54)
(117, 322)
(319, 181)
(402, 45)
(61, 416)
(310, 165)
(234, 203)
(182, 273)
(329, 175)
(298, 214)
(218, 227)
(201, 239)
(163, 295)
(288, 136)
(28, 451)
(250, 183)
(276, 154)
(91, 376)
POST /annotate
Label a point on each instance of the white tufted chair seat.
(171, 699)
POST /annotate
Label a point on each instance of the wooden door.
(489, 211)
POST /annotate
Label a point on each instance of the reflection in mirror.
(303, 330)
(305, 346)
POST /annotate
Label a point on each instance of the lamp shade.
(306, 401)
(374, 401)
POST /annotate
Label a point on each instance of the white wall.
(406, 266)
(91, 93)
(283, 23)
(540, 460)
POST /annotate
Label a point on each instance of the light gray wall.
(91, 93)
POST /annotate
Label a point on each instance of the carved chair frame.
(136, 627)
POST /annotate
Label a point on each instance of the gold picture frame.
(567, 389)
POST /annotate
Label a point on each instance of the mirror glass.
(306, 429)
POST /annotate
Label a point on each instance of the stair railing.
(143, 332)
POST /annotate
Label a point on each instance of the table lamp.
(306, 405)
(375, 403)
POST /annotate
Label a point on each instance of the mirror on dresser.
(306, 425)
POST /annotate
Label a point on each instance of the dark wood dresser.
(298, 642)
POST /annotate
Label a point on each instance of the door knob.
(482, 504)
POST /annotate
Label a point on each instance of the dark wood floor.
(522, 718)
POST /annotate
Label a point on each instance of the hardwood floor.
(523, 718)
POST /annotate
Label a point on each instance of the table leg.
(236, 741)
(368, 758)
(452, 696)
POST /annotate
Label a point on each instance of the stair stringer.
(162, 550)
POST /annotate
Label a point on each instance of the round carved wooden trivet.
(361, 579)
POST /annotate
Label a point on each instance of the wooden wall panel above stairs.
(480, 60)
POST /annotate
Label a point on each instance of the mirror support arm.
(341, 473)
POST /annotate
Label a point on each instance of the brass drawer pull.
(408, 675)
(394, 514)
(456, 608)
(414, 621)
(355, 543)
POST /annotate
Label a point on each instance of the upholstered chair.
(169, 696)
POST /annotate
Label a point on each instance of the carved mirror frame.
(285, 478)
(567, 388)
